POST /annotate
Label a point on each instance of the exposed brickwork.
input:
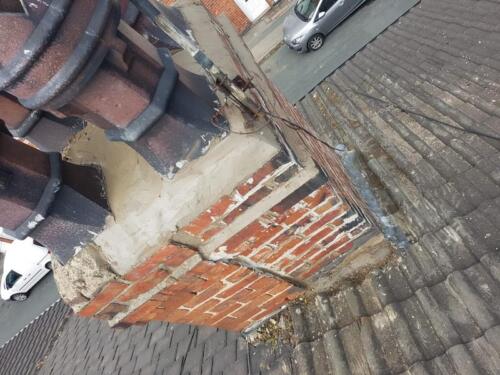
(309, 228)
(218, 294)
(227, 8)
(214, 294)
(286, 238)
(274, 173)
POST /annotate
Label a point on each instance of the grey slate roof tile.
(367, 293)
(341, 311)
(372, 349)
(458, 284)
(440, 321)
(335, 353)
(398, 326)
(303, 358)
(397, 358)
(459, 315)
(484, 356)
(462, 361)
(351, 340)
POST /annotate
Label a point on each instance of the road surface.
(297, 74)
(14, 316)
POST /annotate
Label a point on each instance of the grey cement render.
(297, 74)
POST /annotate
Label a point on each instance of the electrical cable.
(409, 111)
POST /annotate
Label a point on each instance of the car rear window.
(11, 279)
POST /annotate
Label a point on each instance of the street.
(297, 74)
(14, 316)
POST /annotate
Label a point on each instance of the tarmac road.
(14, 316)
(297, 74)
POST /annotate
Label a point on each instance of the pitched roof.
(412, 102)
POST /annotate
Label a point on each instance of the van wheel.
(316, 42)
(19, 297)
(48, 265)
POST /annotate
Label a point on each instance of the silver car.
(311, 21)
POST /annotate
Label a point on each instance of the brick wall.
(227, 8)
(233, 278)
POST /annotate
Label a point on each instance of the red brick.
(292, 216)
(299, 194)
(209, 270)
(170, 255)
(332, 237)
(232, 215)
(313, 240)
(278, 289)
(144, 313)
(210, 232)
(199, 224)
(220, 208)
(256, 179)
(224, 308)
(358, 231)
(238, 286)
(242, 235)
(296, 264)
(173, 315)
(195, 314)
(282, 299)
(327, 218)
(281, 239)
(143, 285)
(339, 244)
(204, 295)
(242, 295)
(318, 197)
(110, 311)
(247, 312)
(262, 254)
(238, 275)
(328, 204)
(105, 297)
(284, 263)
(266, 234)
(257, 196)
(278, 253)
(173, 302)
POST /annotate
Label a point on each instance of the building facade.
(241, 13)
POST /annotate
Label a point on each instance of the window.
(305, 9)
(327, 4)
(11, 279)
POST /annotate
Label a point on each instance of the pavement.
(297, 74)
(267, 33)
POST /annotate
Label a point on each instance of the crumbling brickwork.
(233, 276)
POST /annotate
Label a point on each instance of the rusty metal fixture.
(60, 205)
(45, 131)
(77, 59)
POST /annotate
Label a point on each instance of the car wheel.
(315, 42)
(48, 265)
(19, 297)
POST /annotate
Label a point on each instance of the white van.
(25, 264)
